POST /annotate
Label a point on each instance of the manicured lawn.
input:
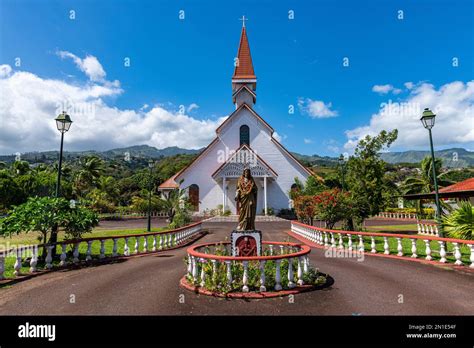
(392, 228)
(31, 239)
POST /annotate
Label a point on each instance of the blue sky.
(182, 62)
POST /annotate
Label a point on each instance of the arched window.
(244, 135)
(193, 195)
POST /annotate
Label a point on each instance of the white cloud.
(90, 65)
(30, 103)
(409, 85)
(453, 103)
(316, 108)
(384, 89)
(307, 141)
(5, 70)
(192, 107)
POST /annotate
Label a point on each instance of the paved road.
(149, 285)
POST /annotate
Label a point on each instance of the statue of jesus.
(246, 195)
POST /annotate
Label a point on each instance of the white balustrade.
(262, 276)
(399, 247)
(34, 259)
(278, 286)
(136, 245)
(442, 251)
(75, 253)
(63, 256)
(471, 247)
(89, 250)
(300, 271)
(372, 245)
(115, 248)
(413, 248)
(17, 266)
(49, 257)
(349, 242)
(126, 250)
(457, 254)
(102, 249)
(229, 272)
(427, 249)
(386, 246)
(291, 284)
(203, 273)
(333, 241)
(245, 287)
(341, 244)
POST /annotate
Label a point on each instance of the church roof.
(170, 183)
(291, 156)
(244, 69)
(236, 111)
(240, 159)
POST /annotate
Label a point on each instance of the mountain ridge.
(453, 157)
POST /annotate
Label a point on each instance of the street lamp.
(63, 123)
(428, 121)
(150, 187)
(342, 163)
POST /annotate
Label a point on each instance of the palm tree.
(460, 223)
(90, 170)
(173, 202)
(424, 183)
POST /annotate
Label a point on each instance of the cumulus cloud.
(384, 89)
(5, 70)
(307, 141)
(90, 65)
(453, 103)
(316, 108)
(29, 104)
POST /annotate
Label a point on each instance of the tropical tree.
(174, 204)
(460, 223)
(332, 206)
(366, 179)
(424, 182)
(43, 214)
(305, 208)
(90, 170)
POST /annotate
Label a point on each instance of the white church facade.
(243, 140)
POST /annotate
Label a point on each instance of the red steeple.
(244, 69)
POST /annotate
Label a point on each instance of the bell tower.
(244, 81)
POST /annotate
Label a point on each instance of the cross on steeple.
(243, 19)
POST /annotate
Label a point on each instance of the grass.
(28, 239)
(393, 228)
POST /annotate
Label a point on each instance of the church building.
(243, 140)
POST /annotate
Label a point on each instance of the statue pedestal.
(246, 243)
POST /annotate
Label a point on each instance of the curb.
(246, 295)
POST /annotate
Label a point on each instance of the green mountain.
(452, 158)
(137, 151)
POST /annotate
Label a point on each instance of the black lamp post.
(342, 163)
(428, 121)
(150, 187)
(63, 123)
